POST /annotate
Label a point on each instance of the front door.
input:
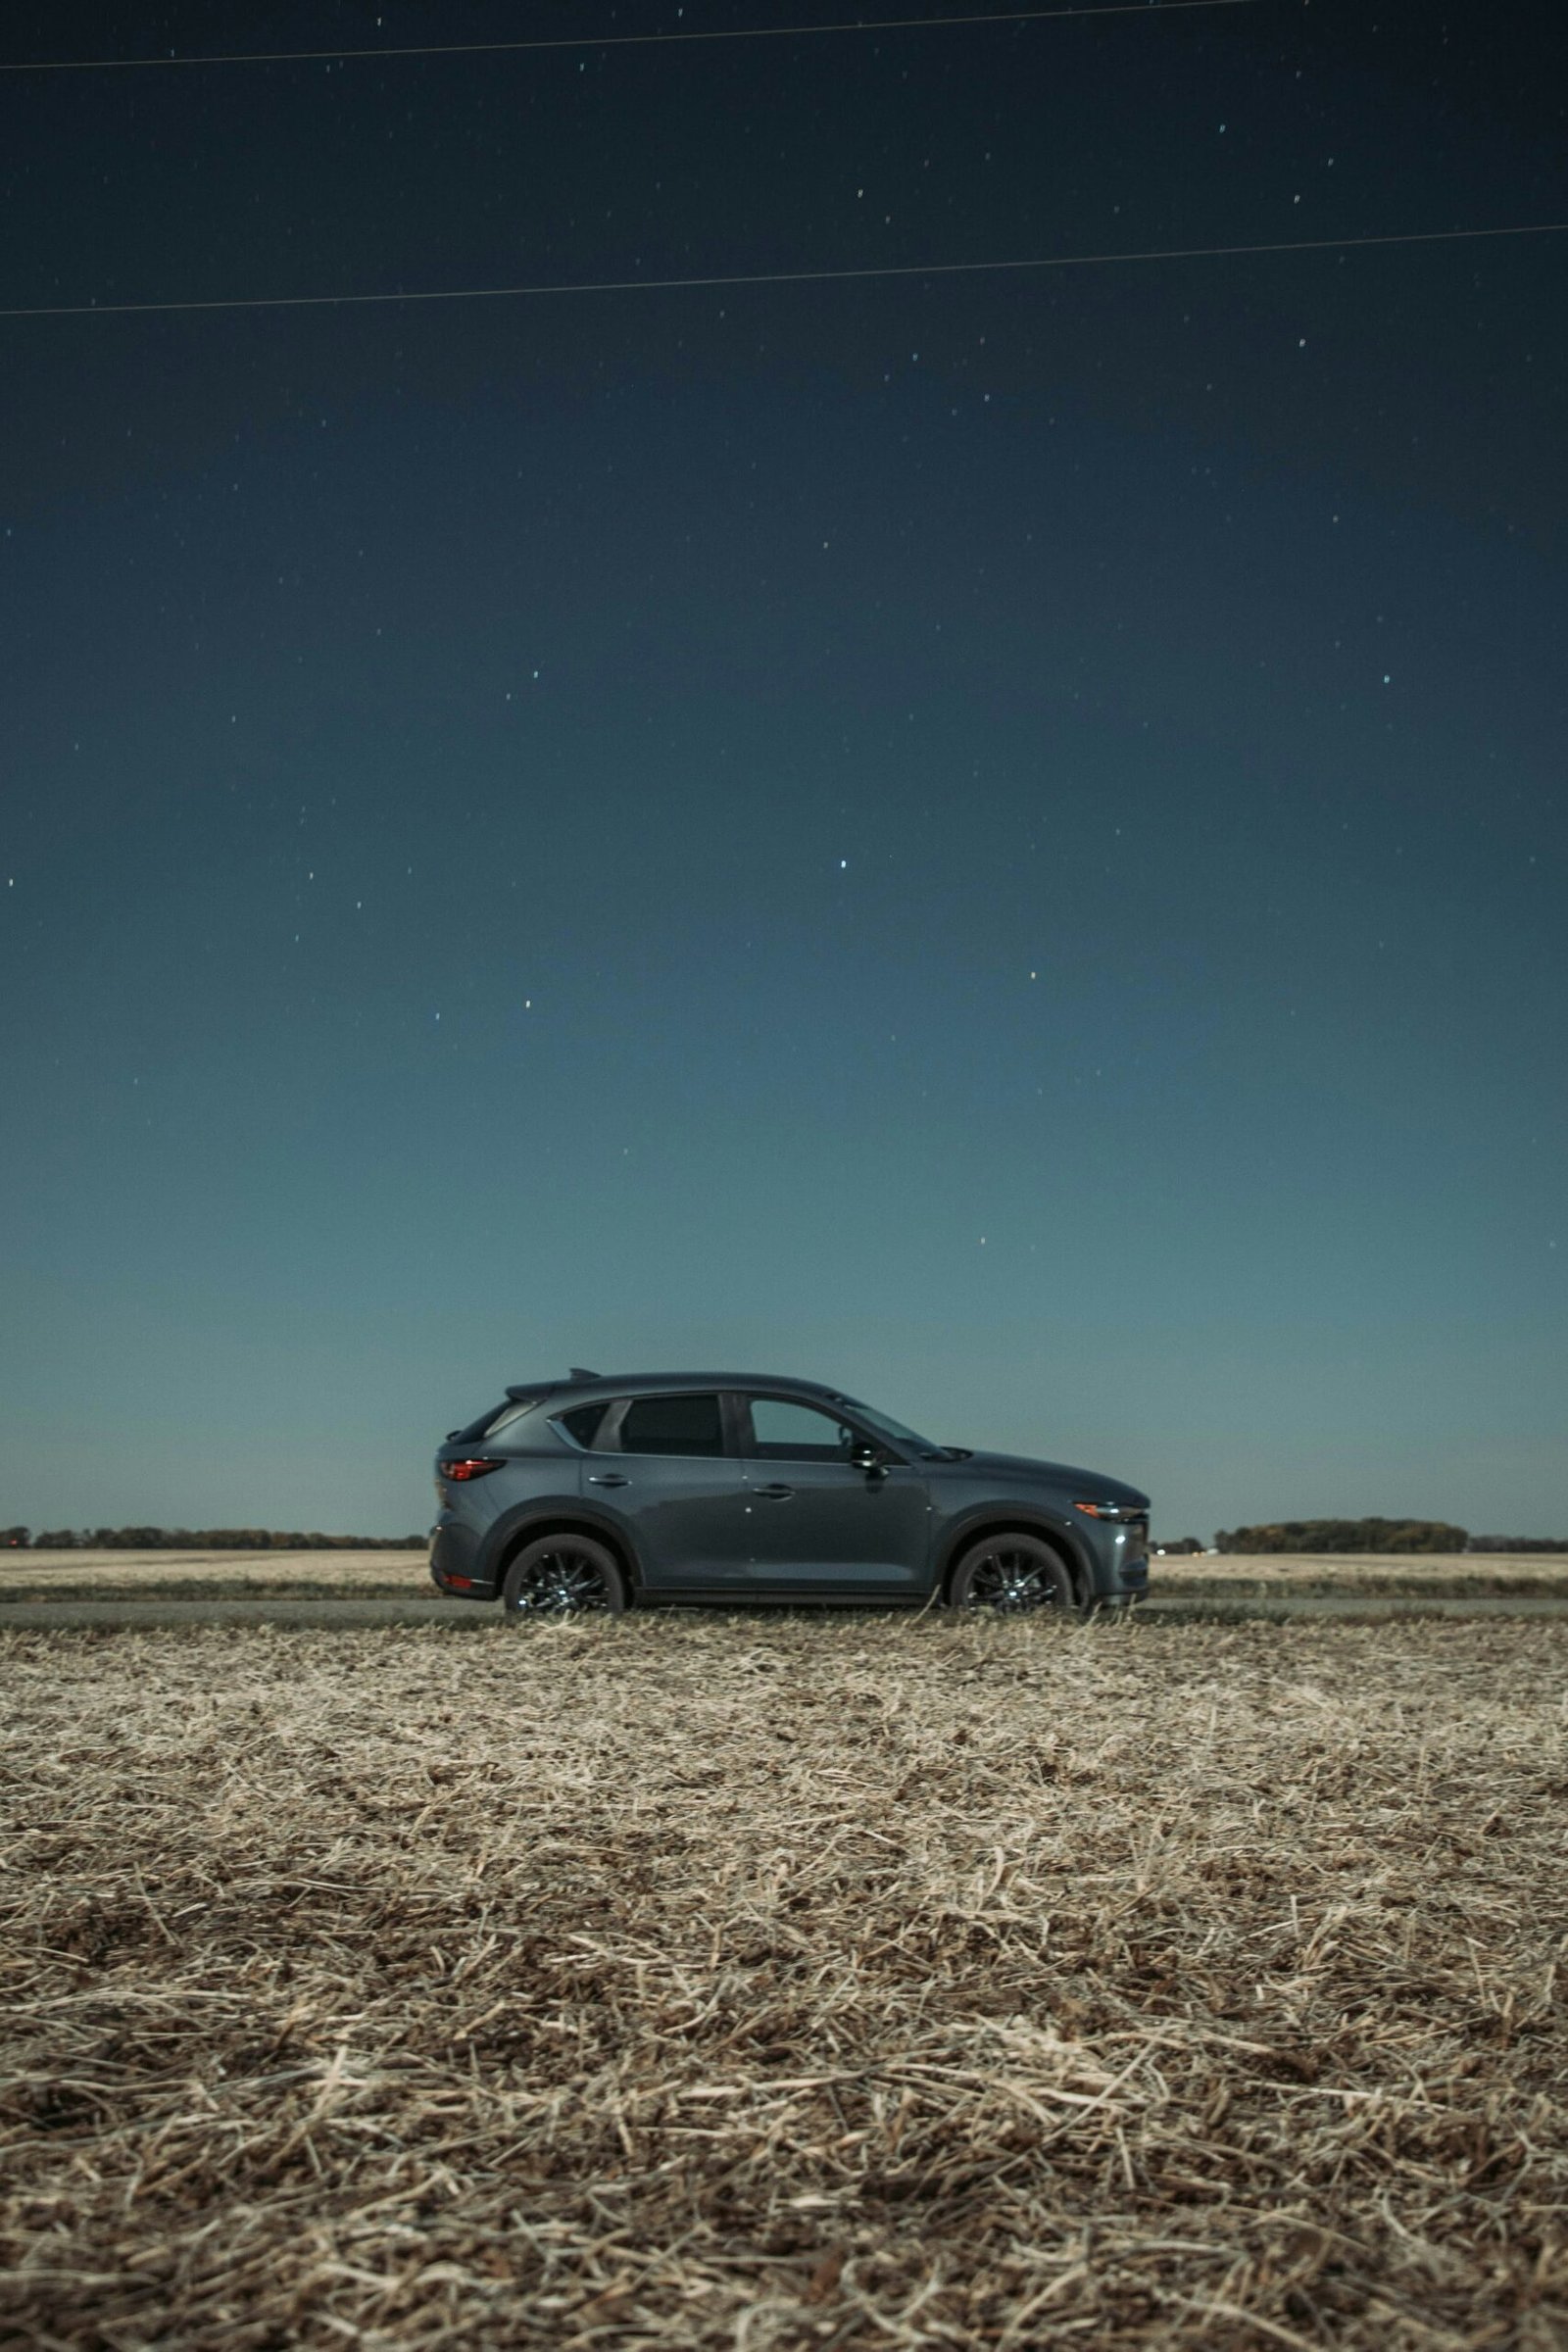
(816, 1521)
(662, 1466)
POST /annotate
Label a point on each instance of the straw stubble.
(764, 1982)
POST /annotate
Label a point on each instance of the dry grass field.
(214, 1575)
(849, 1983)
(1464, 1575)
(31, 1576)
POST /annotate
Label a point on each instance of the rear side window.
(672, 1425)
(582, 1422)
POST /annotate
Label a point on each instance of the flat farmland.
(115, 1575)
(707, 1982)
(1400, 1575)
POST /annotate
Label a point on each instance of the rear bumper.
(453, 1563)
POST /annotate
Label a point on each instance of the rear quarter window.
(581, 1424)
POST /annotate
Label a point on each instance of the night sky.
(994, 838)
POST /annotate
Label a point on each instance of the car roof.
(629, 1384)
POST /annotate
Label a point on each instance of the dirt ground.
(762, 1984)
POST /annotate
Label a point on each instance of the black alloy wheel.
(1014, 1573)
(563, 1576)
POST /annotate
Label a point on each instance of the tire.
(1014, 1574)
(563, 1576)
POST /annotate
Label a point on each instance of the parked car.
(606, 1492)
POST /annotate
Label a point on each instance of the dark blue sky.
(997, 839)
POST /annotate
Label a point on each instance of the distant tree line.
(196, 1538)
(1282, 1535)
(1345, 1534)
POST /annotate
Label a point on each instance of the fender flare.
(548, 1510)
(1030, 1519)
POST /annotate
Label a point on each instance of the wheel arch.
(564, 1518)
(987, 1524)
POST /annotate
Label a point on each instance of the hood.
(1093, 1486)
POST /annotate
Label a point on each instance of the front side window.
(785, 1432)
(883, 1425)
(672, 1425)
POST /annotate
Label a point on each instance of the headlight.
(1119, 1514)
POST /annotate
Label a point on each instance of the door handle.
(608, 1478)
(773, 1493)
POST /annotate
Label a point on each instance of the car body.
(743, 1487)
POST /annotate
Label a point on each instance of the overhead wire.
(776, 277)
(717, 280)
(609, 40)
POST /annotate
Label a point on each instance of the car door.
(817, 1521)
(662, 1464)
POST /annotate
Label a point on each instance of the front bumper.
(1119, 1580)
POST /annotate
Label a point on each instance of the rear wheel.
(563, 1576)
(1014, 1573)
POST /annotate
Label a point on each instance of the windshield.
(893, 1431)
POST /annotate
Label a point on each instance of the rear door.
(818, 1523)
(662, 1464)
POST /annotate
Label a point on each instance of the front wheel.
(1014, 1573)
(563, 1576)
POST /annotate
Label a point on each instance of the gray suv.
(606, 1493)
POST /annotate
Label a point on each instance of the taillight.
(475, 1465)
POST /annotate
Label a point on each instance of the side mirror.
(866, 1458)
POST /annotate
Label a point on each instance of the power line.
(774, 278)
(612, 41)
